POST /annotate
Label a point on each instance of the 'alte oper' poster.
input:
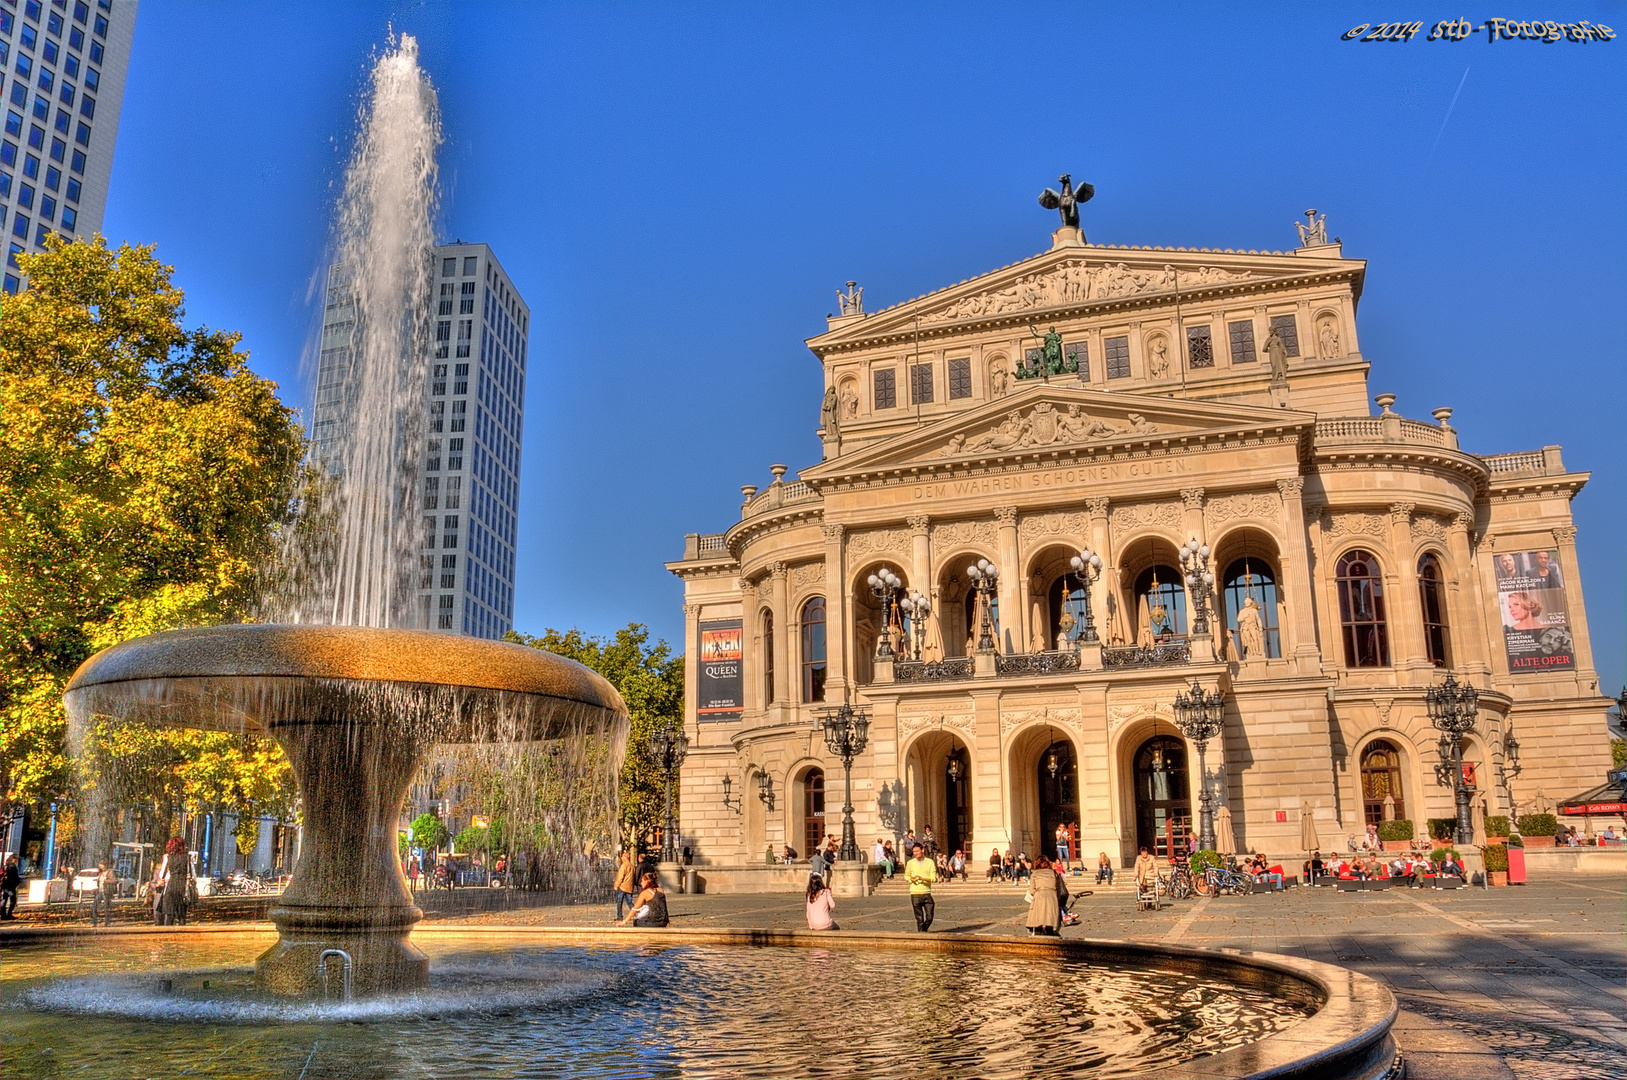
(1535, 615)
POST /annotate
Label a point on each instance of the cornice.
(772, 521)
(1503, 488)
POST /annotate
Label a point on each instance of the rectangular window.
(461, 370)
(11, 259)
(49, 53)
(1117, 350)
(438, 389)
(36, 137)
(469, 264)
(432, 465)
(70, 67)
(25, 197)
(78, 162)
(449, 267)
(29, 38)
(446, 300)
(1288, 331)
(449, 562)
(1242, 340)
(8, 153)
(14, 124)
(40, 234)
(101, 27)
(1078, 356)
(461, 387)
(42, 107)
(19, 94)
(31, 167)
(70, 218)
(47, 208)
(54, 24)
(81, 136)
(96, 52)
(25, 64)
(467, 307)
(443, 330)
(960, 378)
(65, 95)
(5, 185)
(13, 284)
(1200, 350)
(53, 178)
(76, 38)
(466, 329)
(886, 389)
(81, 11)
(93, 79)
(64, 122)
(47, 80)
(1032, 359)
(59, 148)
(73, 190)
(87, 107)
(921, 384)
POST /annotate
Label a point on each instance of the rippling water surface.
(691, 1011)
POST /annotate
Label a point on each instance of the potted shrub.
(1496, 857)
(1396, 835)
(1538, 829)
(1440, 828)
(1497, 829)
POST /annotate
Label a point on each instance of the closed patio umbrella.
(1307, 827)
(1225, 839)
(1477, 820)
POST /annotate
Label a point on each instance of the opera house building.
(1058, 495)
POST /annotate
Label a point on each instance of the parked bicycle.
(1178, 882)
(1218, 879)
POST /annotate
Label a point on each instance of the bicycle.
(1217, 880)
(1178, 883)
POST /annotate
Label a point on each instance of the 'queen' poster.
(1535, 615)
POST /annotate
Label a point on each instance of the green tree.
(144, 473)
(429, 832)
(650, 679)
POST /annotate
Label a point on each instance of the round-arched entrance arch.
(940, 778)
(1381, 780)
(1163, 804)
(1056, 776)
(813, 811)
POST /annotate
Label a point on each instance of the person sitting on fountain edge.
(650, 905)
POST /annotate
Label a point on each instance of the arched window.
(1380, 779)
(1067, 596)
(1432, 603)
(768, 658)
(1361, 610)
(813, 649)
(1160, 603)
(1251, 579)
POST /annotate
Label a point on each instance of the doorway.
(813, 812)
(1057, 780)
(1163, 807)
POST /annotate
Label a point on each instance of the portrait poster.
(1535, 613)
(720, 680)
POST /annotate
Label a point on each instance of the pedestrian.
(1104, 869)
(626, 879)
(817, 866)
(821, 905)
(10, 880)
(1146, 868)
(930, 842)
(920, 873)
(101, 901)
(1047, 894)
(650, 905)
(1062, 852)
(176, 889)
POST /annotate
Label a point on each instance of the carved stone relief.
(1043, 426)
(807, 575)
(1428, 527)
(963, 723)
(1070, 718)
(894, 542)
(1258, 505)
(1349, 524)
(1074, 283)
(1118, 714)
(1035, 527)
(1142, 515)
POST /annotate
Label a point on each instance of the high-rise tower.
(64, 63)
(469, 463)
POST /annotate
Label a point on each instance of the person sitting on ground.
(1025, 868)
(650, 905)
(821, 905)
(892, 858)
(1104, 869)
(1050, 893)
(789, 855)
(957, 865)
(996, 867)
(941, 862)
(1008, 865)
(878, 854)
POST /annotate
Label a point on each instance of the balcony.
(1160, 655)
(1045, 663)
(914, 671)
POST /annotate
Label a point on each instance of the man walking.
(626, 881)
(101, 901)
(921, 873)
(10, 881)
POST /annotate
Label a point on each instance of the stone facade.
(1192, 418)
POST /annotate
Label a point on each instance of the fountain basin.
(595, 1002)
(356, 710)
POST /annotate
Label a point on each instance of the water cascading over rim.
(356, 710)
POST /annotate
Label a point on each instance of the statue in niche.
(1315, 232)
(850, 402)
(1251, 630)
(1158, 358)
(1067, 201)
(999, 381)
(1329, 340)
(1277, 353)
(828, 418)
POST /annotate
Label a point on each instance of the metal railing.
(914, 671)
(1170, 652)
(1044, 663)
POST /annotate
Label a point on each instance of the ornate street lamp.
(984, 577)
(846, 731)
(917, 607)
(1088, 565)
(728, 785)
(765, 790)
(1453, 710)
(1201, 716)
(668, 748)
(1199, 580)
(954, 769)
(884, 584)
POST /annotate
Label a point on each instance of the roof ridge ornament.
(1066, 202)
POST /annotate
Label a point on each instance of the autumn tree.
(144, 471)
(650, 679)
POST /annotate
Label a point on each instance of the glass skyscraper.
(63, 64)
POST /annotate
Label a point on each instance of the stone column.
(1565, 540)
(782, 635)
(1295, 588)
(754, 664)
(1401, 609)
(692, 663)
(1465, 622)
(920, 570)
(1101, 542)
(1203, 647)
(1011, 609)
(837, 677)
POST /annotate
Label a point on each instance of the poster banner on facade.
(1535, 613)
(721, 683)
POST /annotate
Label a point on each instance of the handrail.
(322, 969)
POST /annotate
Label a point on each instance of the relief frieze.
(893, 542)
(1077, 283)
(1061, 478)
(1044, 426)
(1034, 527)
(1227, 507)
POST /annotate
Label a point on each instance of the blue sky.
(678, 190)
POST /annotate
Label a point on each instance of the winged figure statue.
(1068, 202)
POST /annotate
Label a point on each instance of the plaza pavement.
(1527, 981)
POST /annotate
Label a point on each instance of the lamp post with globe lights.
(1453, 710)
(884, 584)
(917, 607)
(984, 577)
(1088, 565)
(668, 748)
(846, 732)
(1201, 716)
(1199, 580)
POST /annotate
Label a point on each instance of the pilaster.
(1565, 541)
(1295, 589)
(1012, 631)
(1465, 623)
(920, 554)
(692, 652)
(1401, 607)
(837, 676)
(783, 692)
(754, 660)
